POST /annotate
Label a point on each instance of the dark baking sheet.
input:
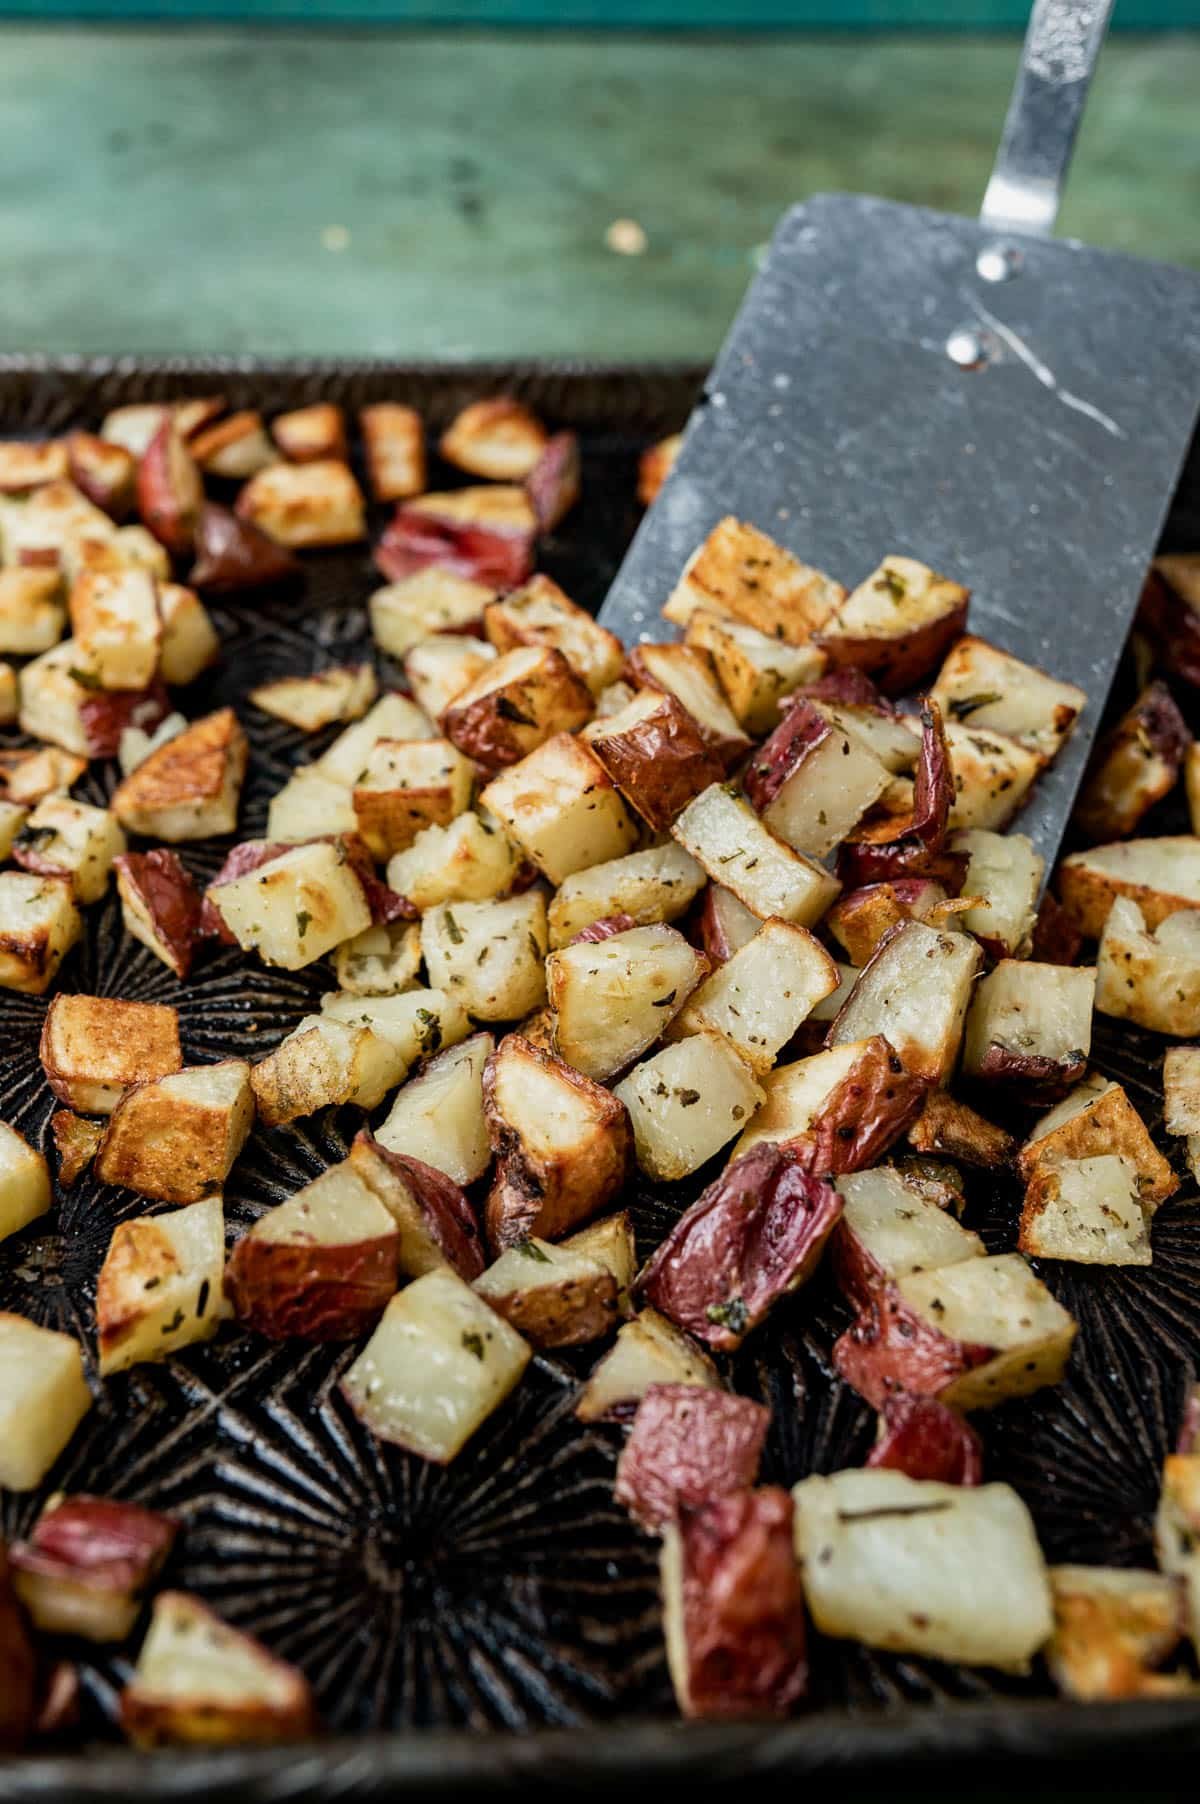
(508, 1596)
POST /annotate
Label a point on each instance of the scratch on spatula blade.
(1045, 375)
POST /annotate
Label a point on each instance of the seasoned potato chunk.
(992, 776)
(72, 839)
(499, 439)
(43, 1398)
(915, 992)
(471, 860)
(1134, 766)
(515, 705)
(554, 1295)
(897, 624)
(93, 1048)
(305, 504)
(29, 463)
(309, 806)
(1150, 978)
(417, 1022)
(1160, 875)
(296, 908)
(658, 884)
(189, 787)
(323, 1062)
(1030, 1027)
(176, 1137)
(763, 993)
(392, 717)
(340, 692)
(161, 1286)
(117, 626)
(990, 688)
(405, 786)
(561, 807)
(489, 955)
(1005, 873)
(189, 642)
(88, 1564)
(656, 755)
(24, 1183)
(539, 613)
(686, 1102)
(888, 1229)
(394, 447)
(235, 448)
(429, 601)
(39, 923)
(1087, 1211)
(614, 999)
(1095, 1119)
(307, 434)
(1112, 1627)
(688, 1444)
(723, 833)
(812, 781)
(648, 1351)
(440, 668)
(382, 961)
(32, 610)
(687, 674)
(739, 571)
(438, 1116)
(755, 670)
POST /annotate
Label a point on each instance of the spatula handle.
(1061, 47)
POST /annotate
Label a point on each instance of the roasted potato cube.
(489, 955)
(648, 1351)
(105, 473)
(756, 1233)
(39, 923)
(198, 1681)
(1181, 1098)
(515, 705)
(655, 465)
(499, 439)
(76, 1142)
(429, 601)
(88, 1564)
(687, 674)
(563, 1144)
(133, 426)
(439, 668)
(974, 1334)
(553, 1295)
(320, 1266)
(1112, 1627)
(160, 905)
(72, 839)
(686, 1102)
(723, 833)
(340, 692)
(658, 884)
(1160, 875)
(688, 1445)
(235, 448)
(161, 1285)
(175, 1138)
(52, 699)
(323, 1062)
(117, 626)
(433, 1216)
(990, 688)
(755, 671)
(611, 1243)
(24, 1182)
(32, 611)
(946, 1571)
(418, 1022)
(485, 534)
(188, 788)
(170, 490)
(296, 908)
(394, 447)
(392, 717)
(614, 999)
(797, 1096)
(992, 776)
(915, 992)
(308, 434)
(1098, 1118)
(741, 572)
(562, 808)
(762, 994)
(897, 624)
(438, 1116)
(1086, 1211)
(1005, 873)
(539, 613)
(1170, 613)
(27, 776)
(189, 638)
(48, 527)
(439, 1363)
(1029, 1027)
(29, 463)
(888, 1229)
(93, 1048)
(233, 555)
(302, 505)
(382, 961)
(405, 786)
(43, 1398)
(861, 918)
(656, 755)
(1150, 978)
(471, 860)
(951, 1128)
(1134, 766)
(309, 806)
(812, 781)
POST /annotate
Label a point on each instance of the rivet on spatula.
(967, 349)
(998, 262)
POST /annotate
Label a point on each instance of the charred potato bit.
(39, 923)
(688, 1446)
(43, 1398)
(394, 447)
(88, 1564)
(1152, 979)
(24, 1182)
(498, 439)
(739, 571)
(1112, 1628)
(304, 505)
(955, 1131)
(860, 919)
(76, 1142)
(175, 1138)
(310, 434)
(94, 1048)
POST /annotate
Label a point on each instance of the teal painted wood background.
(824, 15)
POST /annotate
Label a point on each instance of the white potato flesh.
(725, 836)
(51, 700)
(1086, 1211)
(830, 1007)
(24, 1182)
(915, 992)
(392, 717)
(430, 601)
(489, 955)
(191, 1660)
(77, 839)
(992, 776)
(117, 626)
(440, 1361)
(897, 600)
(471, 860)
(686, 1102)
(539, 613)
(1181, 1090)
(610, 1243)
(656, 885)
(309, 806)
(190, 642)
(614, 998)
(687, 675)
(322, 1062)
(1033, 1010)
(992, 689)
(438, 1116)
(1161, 875)
(383, 961)
(43, 1398)
(439, 669)
(32, 611)
(296, 908)
(794, 1095)
(901, 1230)
(648, 1350)
(335, 1209)
(1150, 978)
(997, 1303)
(39, 923)
(417, 1022)
(161, 1286)
(830, 789)
(755, 670)
(949, 1571)
(1006, 873)
(562, 808)
(135, 745)
(760, 996)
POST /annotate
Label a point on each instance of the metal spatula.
(1011, 410)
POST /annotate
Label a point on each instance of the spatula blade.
(836, 421)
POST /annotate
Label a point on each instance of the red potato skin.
(18, 1671)
(87, 1540)
(661, 764)
(743, 1609)
(876, 1102)
(852, 688)
(104, 472)
(555, 483)
(688, 1445)
(170, 491)
(603, 929)
(871, 858)
(756, 1233)
(171, 899)
(302, 1291)
(933, 786)
(900, 664)
(1173, 626)
(801, 730)
(639, 670)
(484, 554)
(239, 861)
(497, 729)
(447, 1210)
(890, 1348)
(105, 713)
(233, 555)
(926, 1439)
(714, 941)
(1027, 1076)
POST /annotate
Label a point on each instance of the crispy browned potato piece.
(94, 1048)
